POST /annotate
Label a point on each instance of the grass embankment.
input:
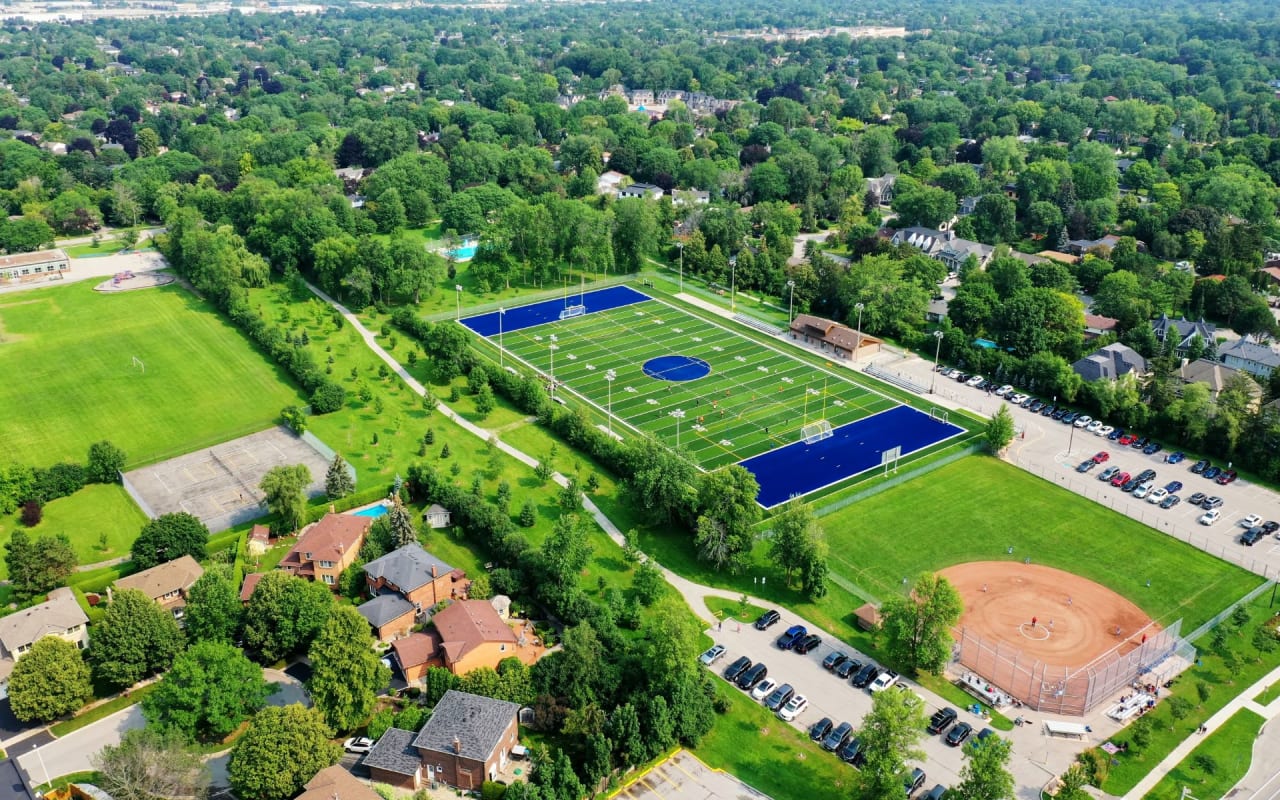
(85, 517)
(1216, 765)
(101, 711)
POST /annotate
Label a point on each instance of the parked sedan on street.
(1105, 430)
(1200, 466)
(1086, 465)
(1173, 486)
(1157, 496)
(1212, 472)
(835, 659)
(1153, 448)
(1101, 456)
(1116, 434)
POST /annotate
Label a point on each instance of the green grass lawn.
(68, 353)
(84, 517)
(1268, 694)
(1230, 748)
(733, 609)
(105, 248)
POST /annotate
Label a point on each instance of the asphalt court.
(684, 777)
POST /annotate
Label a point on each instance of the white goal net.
(816, 431)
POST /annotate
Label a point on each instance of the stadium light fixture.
(609, 377)
(679, 415)
(937, 352)
(857, 345)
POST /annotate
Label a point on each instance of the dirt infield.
(1075, 618)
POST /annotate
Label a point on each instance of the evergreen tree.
(402, 530)
(337, 481)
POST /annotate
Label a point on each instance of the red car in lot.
(1101, 456)
(1120, 479)
(1127, 440)
(1227, 477)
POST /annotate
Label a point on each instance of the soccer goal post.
(816, 431)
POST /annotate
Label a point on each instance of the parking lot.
(684, 777)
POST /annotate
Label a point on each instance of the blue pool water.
(372, 511)
(464, 253)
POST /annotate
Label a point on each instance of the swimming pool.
(372, 511)
(464, 253)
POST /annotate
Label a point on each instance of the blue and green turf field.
(726, 398)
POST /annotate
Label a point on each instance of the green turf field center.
(756, 398)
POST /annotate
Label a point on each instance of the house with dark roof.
(327, 548)
(59, 616)
(166, 583)
(390, 615)
(1110, 363)
(467, 741)
(1217, 377)
(1250, 355)
(830, 336)
(1181, 331)
(415, 575)
(880, 190)
(944, 246)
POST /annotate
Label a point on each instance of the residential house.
(1096, 325)
(641, 190)
(250, 583)
(609, 182)
(880, 190)
(1107, 243)
(968, 205)
(415, 654)
(259, 540)
(830, 336)
(59, 616)
(415, 575)
(327, 548)
(1250, 355)
(1110, 363)
(166, 583)
(1182, 330)
(944, 246)
(1060, 257)
(390, 615)
(23, 267)
(690, 197)
(437, 516)
(1272, 271)
(640, 97)
(468, 740)
(1218, 376)
(464, 636)
(337, 783)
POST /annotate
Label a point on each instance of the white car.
(1250, 521)
(1093, 427)
(887, 678)
(1158, 495)
(1142, 490)
(712, 656)
(974, 381)
(764, 688)
(1083, 421)
(794, 708)
(358, 744)
(1003, 390)
(1209, 517)
(1017, 399)
(1105, 430)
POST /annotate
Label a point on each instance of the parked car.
(1092, 427)
(1212, 472)
(942, 719)
(793, 635)
(1130, 485)
(883, 681)
(1140, 444)
(358, 744)
(1003, 390)
(1251, 521)
(735, 670)
(1105, 430)
(767, 620)
(1115, 434)
(1049, 410)
(1142, 490)
(1170, 501)
(1147, 475)
(1101, 456)
(961, 377)
(865, 675)
(1252, 536)
(974, 381)
(1086, 465)
(1108, 473)
(1153, 448)
(1035, 406)
(1060, 413)
(1210, 517)
(984, 734)
(713, 655)
(914, 781)
(959, 733)
(936, 793)
(763, 689)
(808, 643)
(1176, 457)
(751, 676)
(779, 697)
(1227, 477)
(1157, 496)
(1017, 399)
(1030, 401)
(836, 739)
(1212, 501)
(848, 667)
(1271, 526)
(793, 708)
(1200, 466)
(1082, 421)
(851, 753)
(1173, 486)
(1120, 479)
(1069, 417)
(833, 660)
(1197, 498)
(819, 730)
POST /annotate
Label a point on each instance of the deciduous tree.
(136, 638)
(167, 537)
(890, 736)
(282, 749)
(285, 487)
(284, 614)
(346, 672)
(999, 430)
(207, 693)
(36, 566)
(148, 764)
(214, 611)
(104, 463)
(51, 680)
(985, 775)
(919, 625)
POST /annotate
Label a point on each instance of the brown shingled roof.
(467, 624)
(162, 579)
(415, 649)
(328, 539)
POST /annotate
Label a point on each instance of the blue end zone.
(529, 316)
(797, 469)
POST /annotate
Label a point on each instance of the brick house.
(467, 740)
(59, 616)
(390, 615)
(466, 635)
(415, 575)
(830, 336)
(327, 548)
(336, 783)
(166, 583)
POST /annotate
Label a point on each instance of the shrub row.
(326, 395)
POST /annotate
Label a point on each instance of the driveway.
(288, 689)
(11, 726)
(72, 753)
(12, 786)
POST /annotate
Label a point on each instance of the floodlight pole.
(680, 247)
(733, 284)
(458, 288)
(502, 315)
(609, 376)
(552, 347)
(858, 342)
(679, 415)
(936, 352)
(792, 304)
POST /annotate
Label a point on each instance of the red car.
(1127, 440)
(1100, 456)
(1227, 477)
(1120, 479)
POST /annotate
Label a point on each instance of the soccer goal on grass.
(816, 431)
(573, 311)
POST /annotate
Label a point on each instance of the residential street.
(73, 752)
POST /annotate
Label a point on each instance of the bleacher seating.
(759, 325)
(895, 379)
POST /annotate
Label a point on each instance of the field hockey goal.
(816, 431)
(940, 414)
(573, 311)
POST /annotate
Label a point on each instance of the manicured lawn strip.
(1268, 694)
(770, 755)
(67, 780)
(1224, 683)
(733, 609)
(1231, 747)
(101, 711)
(73, 347)
(104, 248)
(668, 279)
(83, 517)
